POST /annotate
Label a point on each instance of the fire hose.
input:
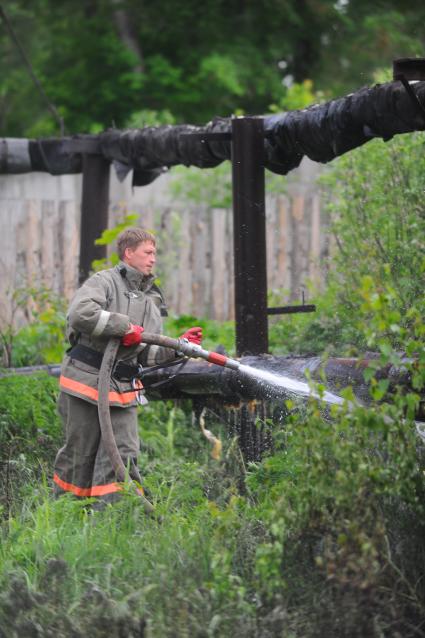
(181, 346)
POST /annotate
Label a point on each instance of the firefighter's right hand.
(133, 336)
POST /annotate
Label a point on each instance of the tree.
(101, 61)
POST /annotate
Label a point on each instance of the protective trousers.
(82, 465)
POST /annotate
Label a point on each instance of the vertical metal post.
(249, 230)
(94, 211)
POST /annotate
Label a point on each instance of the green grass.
(325, 536)
(166, 565)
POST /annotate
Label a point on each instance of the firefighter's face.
(142, 258)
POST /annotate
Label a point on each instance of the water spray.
(194, 351)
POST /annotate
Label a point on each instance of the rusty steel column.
(249, 235)
(94, 211)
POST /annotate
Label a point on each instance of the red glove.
(194, 335)
(133, 336)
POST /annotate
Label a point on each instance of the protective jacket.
(102, 308)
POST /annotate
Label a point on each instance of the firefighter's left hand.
(194, 335)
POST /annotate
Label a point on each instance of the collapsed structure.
(276, 142)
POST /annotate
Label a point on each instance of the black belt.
(122, 371)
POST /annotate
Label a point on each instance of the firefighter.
(118, 302)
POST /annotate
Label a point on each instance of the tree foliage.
(102, 61)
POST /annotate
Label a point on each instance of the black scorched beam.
(195, 378)
(320, 132)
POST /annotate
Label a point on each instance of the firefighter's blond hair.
(131, 238)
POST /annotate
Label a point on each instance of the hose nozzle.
(192, 350)
(195, 351)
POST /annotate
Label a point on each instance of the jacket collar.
(135, 279)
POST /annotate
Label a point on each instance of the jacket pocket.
(137, 307)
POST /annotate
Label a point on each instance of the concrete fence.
(39, 239)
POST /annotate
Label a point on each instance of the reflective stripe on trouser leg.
(74, 464)
(82, 465)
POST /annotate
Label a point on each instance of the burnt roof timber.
(320, 132)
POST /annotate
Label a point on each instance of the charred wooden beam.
(320, 132)
(94, 211)
(197, 378)
(249, 235)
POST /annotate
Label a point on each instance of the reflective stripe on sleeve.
(91, 393)
(101, 324)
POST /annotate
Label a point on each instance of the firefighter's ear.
(127, 253)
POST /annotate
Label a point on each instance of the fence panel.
(39, 239)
